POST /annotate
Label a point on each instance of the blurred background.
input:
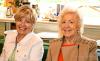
(47, 12)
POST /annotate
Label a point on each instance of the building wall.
(89, 31)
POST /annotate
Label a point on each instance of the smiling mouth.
(21, 28)
(68, 30)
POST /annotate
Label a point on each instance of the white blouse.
(30, 48)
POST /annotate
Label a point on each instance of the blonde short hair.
(26, 12)
(66, 11)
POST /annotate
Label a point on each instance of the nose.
(67, 24)
(22, 23)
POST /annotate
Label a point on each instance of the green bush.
(46, 45)
(1, 43)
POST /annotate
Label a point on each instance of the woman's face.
(69, 24)
(24, 26)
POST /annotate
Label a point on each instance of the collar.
(26, 39)
(75, 40)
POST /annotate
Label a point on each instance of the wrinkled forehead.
(22, 15)
(71, 16)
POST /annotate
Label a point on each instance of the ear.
(78, 26)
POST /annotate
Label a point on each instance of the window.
(91, 15)
(90, 9)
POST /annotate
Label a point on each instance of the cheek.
(61, 29)
(29, 26)
(17, 24)
(76, 27)
(62, 26)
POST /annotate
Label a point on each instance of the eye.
(28, 21)
(63, 22)
(18, 20)
(71, 22)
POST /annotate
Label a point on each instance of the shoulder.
(10, 35)
(88, 41)
(10, 32)
(32, 40)
(35, 38)
(55, 41)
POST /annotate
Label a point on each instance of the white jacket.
(30, 48)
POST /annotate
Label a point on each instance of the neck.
(19, 37)
(72, 39)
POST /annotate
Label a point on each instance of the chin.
(21, 32)
(68, 35)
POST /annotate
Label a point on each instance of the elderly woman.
(23, 44)
(71, 46)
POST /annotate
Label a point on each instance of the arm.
(92, 52)
(37, 51)
(2, 56)
(10, 35)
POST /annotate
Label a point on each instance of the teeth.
(21, 28)
(67, 30)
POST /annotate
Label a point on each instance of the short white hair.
(67, 10)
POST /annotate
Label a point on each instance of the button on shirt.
(30, 48)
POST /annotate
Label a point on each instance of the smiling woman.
(24, 21)
(22, 41)
(71, 45)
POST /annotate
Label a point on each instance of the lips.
(22, 28)
(67, 30)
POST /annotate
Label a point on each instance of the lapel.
(83, 52)
(55, 50)
(25, 44)
(78, 53)
(26, 40)
(75, 53)
(70, 53)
